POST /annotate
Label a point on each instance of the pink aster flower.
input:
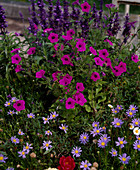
(92, 50)
(85, 7)
(95, 76)
(70, 103)
(66, 60)
(80, 87)
(31, 50)
(81, 46)
(16, 59)
(53, 37)
(18, 68)
(19, 105)
(40, 74)
(103, 53)
(98, 61)
(70, 32)
(15, 50)
(135, 58)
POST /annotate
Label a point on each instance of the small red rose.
(66, 163)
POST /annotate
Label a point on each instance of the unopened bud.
(33, 155)
(95, 164)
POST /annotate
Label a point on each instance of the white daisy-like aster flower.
(109, 105)
(51, 169)
(131, 126)
(136, 131)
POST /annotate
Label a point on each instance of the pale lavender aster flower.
(20, 132)
(117, 122)
(124, 159)
(136, 145)
(102, 143)
(119, 107)
(3, 158)
(11, 112)
(85, 165)
(76, 151)
(105, 137)
(96, 131)
(130, 113)
(136, 122)
(14, 99)
(53, 115)
(133, 108)
(48, 132)
(121, 142)
(14, 140)
(46, 120)
(84, 138)
(64, 127)
(46, 145)
(104, 129)
(113, 152)
(10, 169)
(31, 115)
(8, 103)
(95, 124)
(138, 138)
(22, 154)
(115, 111)
(27, 147)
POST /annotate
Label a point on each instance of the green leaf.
(46, 152)
(88, 108)
(102, 100)
(98, 89)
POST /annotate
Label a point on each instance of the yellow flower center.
(117, 123)
(121, 142)
(63, 127)
(27, 147)
(48, 131)
(84, 137)
(76, 151)
(130, 113)
(131, 126)
(47, 144)
(46, 119)
(138, 146)
(30, 116)
(1, 158)
(119, 107)
(85, 166)
(104, 128)
(11, 112)
(53, 115)
(115, 111)
(66, 162)
(103, 143)
(14, 140)
(138, 138)
(114, 153)
(8, 104)
(23, 153)
(124, 159)
(136, 131)
(105, 138)
(97, 131)
(95, 125)
(14, 100)
(133, 108)
(136, 123)
(19, 132)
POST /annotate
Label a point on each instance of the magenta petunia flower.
(103, 53)
(98, 61)
(117, 122)
(53, 37)
(56, 46)
(92, 50)
(122, 67)
(76, 151)
(85, 7)
(84, 138)
(107, 61)
(31, 50)
(19, 105)
(15, 50)
(81, 46)
(3, 158)
(18, 68)
(95, 76)
(16, 59)
(80, 87)
(54, 75)
(80, 99)
(124, 159)
(64, 81)
(116, 71)
(110, 43)
(70, 103)
(121, 142)
(70, 32)
(40, 74)
(47, 30)
(135, 58)
(66, 60)
(67, 37)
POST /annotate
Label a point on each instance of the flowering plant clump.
(70, 90)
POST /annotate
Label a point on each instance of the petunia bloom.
(95, 76)
(80, 87)
(81, 46)
(98, 61)
(19, 105)
(85, 7)
(70, 103)
(103, 53)
(135, 58)
(15, 59)
(53, 37)
(92, 50)
(18, 68)
(31, 50)
(40, 74)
